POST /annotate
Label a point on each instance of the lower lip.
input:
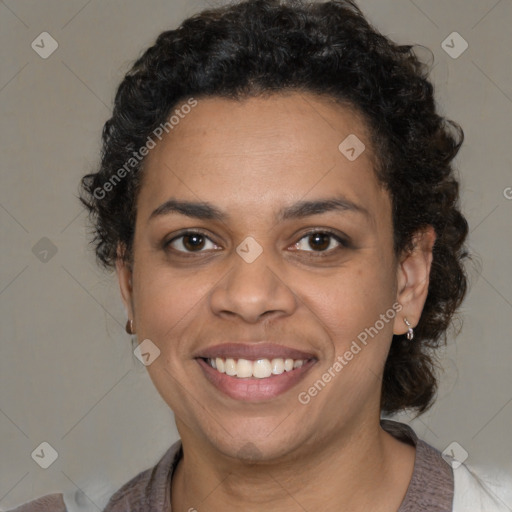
(253, 389)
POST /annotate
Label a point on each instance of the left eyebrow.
(306, 208)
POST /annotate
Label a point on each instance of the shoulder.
(478, 492)
(149, 490)
(457, 487)
(431, 484)
(49, 503)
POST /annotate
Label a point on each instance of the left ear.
(413, 277)
(124, 276)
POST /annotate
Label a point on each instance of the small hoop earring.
(410, 332)
(129, 327)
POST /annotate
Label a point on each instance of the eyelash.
(343, 243)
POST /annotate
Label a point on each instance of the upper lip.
(252, 351)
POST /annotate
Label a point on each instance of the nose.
(252, 291)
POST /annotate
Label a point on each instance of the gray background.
(68, 374)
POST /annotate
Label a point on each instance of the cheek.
(349, 310)
(167, 312)
(165, 304)
(354, 299)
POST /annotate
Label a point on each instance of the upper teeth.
(261, 368)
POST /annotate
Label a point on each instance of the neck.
(361, 469)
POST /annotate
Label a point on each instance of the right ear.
(124, 276)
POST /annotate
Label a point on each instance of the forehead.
(264, 126)
(262, 151)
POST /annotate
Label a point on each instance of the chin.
(263, 443)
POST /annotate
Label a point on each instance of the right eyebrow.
(198, 210)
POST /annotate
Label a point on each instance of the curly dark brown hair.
(258, 47)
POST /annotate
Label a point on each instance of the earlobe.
(413, 278)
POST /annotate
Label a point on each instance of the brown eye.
(320, 241)
(191, 242)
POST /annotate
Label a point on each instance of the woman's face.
(252, 180)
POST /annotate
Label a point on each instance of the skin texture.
(250, 159)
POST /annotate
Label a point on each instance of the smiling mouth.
(257, 379)
(257, 369)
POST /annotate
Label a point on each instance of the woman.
(277, 197)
